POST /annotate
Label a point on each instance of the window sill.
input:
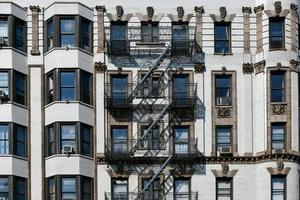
(68, 156)
(223, 106)
(69, 49)
(276, 103)
(69, 102)
(150, 43)
(279, 49)
(14, 49)
(14, 103)
(13, 156)
(222, 54)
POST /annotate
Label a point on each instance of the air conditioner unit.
(225, 150)
(277, 151)
(2, 43)
(223, 101)
(3, 96)
(67, 149)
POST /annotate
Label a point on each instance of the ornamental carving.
(100, 9)
(200, 68)
(260, 66)
(280, 165)
(35, 8)
(224, 112)
(150, 12)
(248, 68)
(120, 12)
(225, 168)
(199, 9)
(278, 109)
(247, 10)
(294, 7)
(180, 12)
(259, 8)
(100, 67)
(277, 7)
(294, 65)
(223, 12)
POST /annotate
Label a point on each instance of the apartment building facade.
(126, 100)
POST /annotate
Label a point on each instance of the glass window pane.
(119, 31)
(50, 32)
(20, 187)
(224, 189)
(3, 185)
(119, 139)
(4, 139)
(278, 135)
(67, 26)
(19, 35)
(68, 185)
(4, 30)
(4, 82)
(20, 141)
(223, 136)
(67, 40)
(20, 85)
(86, 140)
(278, 188)
(276, 32)
(68, 132)
(85, 34)
(86, 87)
(67, 85)
(180, 32)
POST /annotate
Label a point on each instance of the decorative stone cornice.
(259, 8)
(100, 67)
(248, 68)
(225, 172)
(180, 13)
(199, 68)
(247, 10)
(260, 66)
(35, 8)
(278, 109)
(199, 9)
(294, 65)
(101, 9)
(294, 7)
(279, 170)
(223, 112)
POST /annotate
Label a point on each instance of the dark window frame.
(230, 88)
(277, 19)
(285, 185)
(222, 179)
(283, 89)
(229, 40)
(12, 22)
(58, 186)
(78, 90)
(57, 138)
(78, 32)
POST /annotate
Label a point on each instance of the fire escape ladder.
(155, 176)
(155, 65)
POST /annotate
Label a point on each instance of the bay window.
(13, 187)
(64, 85)
(69, 31)
(78, 136)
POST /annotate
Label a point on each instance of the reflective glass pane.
(4, 139)
(20, 85)
(68, 185)
(67, 40)
(67, 26)
(278, 188)
(68, 132)
(119, 31)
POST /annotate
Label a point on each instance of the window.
(222, 38)
(277, 86)
(223, 90)
(151, 87)
(278, 187)
(180, 89)
(151, 141)
(180, 37)
(20, 140)
(4, 30)
(69, 187)
(13, 187)
(150, 32)
(68, 136)
(13, 139)
(223, 137)
(276, 32)
(20, 32)
(20, 88)
(278, 135)
(20, 190)
(119, 90)
(67, 83)
(119, 139)
(182, 189)
(153, 191)
(75, 135)
(69, 31)
(119, 189)
(4, 139)
(181, 140)
(118, 38)
(4, 86)
(224, 189)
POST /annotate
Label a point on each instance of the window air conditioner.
(3, 96)
(2, 43)
(223, 101)
(225, 150)
(277, 151)
(67, 149)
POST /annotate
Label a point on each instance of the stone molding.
(35, 30)
(199, 68)
(248, 68)
(278, 11)
(199, 10)
(280, 169)
(259, 8)
(278, 109)
(294, 7)
(101, 37)
(225, 172)
(246, 10)
(180, 16)
(260, 66)
(294, 65)
(119, 15)
(100, 67)
(224, 112)
(149, 16)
